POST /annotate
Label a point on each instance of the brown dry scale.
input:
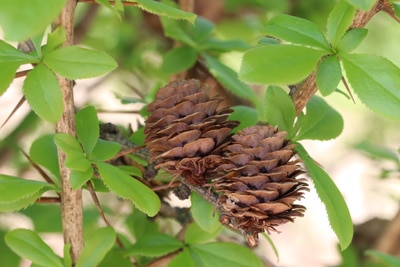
(254, 173)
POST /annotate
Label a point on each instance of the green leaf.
(297, 31)
(223, 254)
(67, 142)
(351, 39)
(195, 234)
(321, 121)
(140, 225)
(339, 21)
(378, 152)
(113, 256)
(279, 109)
(177, 30)
(219, 46)
(278, 64)
(271, 243)
(74, 62)
(362, 4)
(10, 54)
(384, 258)
(376, 81)
(43, 93)
(396, 7)
(182, 259)
(338, 213)
(104, 150)
(154, 245)
(22, 202)
(14, 188)
(202, 30)
(77, 161)
(29, 245)
(7, 74)
(67, 255)
(228, 78)
(328, 75)
(43, 151)
(179, 59)
(55, 39)
(247, 116)
(96, 247)
(87, 128)
(21, 19)
(162, 9)
(127, 187)
(204, 213)
(37, 43)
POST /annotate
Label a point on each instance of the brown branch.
(48, 200)
(22, 73)
(71, 200)
(389, 241)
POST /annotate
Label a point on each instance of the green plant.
(292, 55)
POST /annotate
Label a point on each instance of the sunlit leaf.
(352, 39)
(67, 142)
(43, 151)
(339, 21)
(362, 4)
(204, 213)
(104, 150)
(10, 54)
(87, 128)
(195, 234)
(7, 74)
(182, 259)
(162, 9)
(247, 116)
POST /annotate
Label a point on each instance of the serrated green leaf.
(104, 150)
(338, 213)
(117, 8)
(21, 20)
(387, 259)
(182, 259)
(195, 234)
(204, 214)
(96, 247)
(43, 151)
(279, 109)
(77, 161)
(228, 78)
(178, 30)
(223, 254)
(14, 188)
(43, 93)
(22, 202)
(329, 74)
(351, 40)
(339, 21)
(127, 187)
(154, 245)
(321, 121)
(362, 4)
(29, 245)
(297, 31)
(247, 116)
(67, 142)
(162, 9)
(376, 81)
(179, 59)
(74, 62)
(87, 128)
(10, 54)
(278, 64)
(7, 74)
(55, 39)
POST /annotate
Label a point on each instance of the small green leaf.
(378, 152)
(22, 202)
(297, 31)
(67, 255)
(204, 213)
(195, 234)
(321, 121)
(104, 150)
(223, 254)
(140, 225)
(202, 30)
(43, 151)
(138, 137)
(96, 247)
(328, 75)
(387, 259)
(29, 245)
(21, 20)
(67, 142)
(338, 213)
(351, 39)
(376, 81)
(37, 43)
(154, 245)
(87, 128)
(7, 74)
(127, 187)
(247, 116)
(362, 4)
(278, 64)
(279, 109)
(228, 78)
(43, 93)
(74, 62)
(55, 39)
(182, 259)
(77, 161)
(162, 9)
(179, 59)
(339, 21)
(178, 30)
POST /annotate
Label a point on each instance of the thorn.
(19, 104)
(348, 89)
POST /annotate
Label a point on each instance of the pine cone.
(258, 184)
(187, 129)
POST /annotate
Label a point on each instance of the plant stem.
(71, 200)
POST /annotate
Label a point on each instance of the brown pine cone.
(187, 129)
(258, 182)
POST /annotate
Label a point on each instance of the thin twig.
(22, 73)
(19, 104)
(125, 3)
(48, 200)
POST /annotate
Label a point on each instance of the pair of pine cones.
(254, 173)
